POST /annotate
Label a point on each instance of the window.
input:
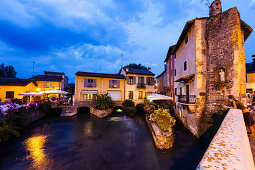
(9, 94)
(150, 80)
(175, 91)
(89, 82)
(130, 80)
(174, 72)
(46, 84)
(140, 95)
(174, 56)
(90, 96)
(185, 65)
(114, 84)
(130, 94)
(181, 91)
(187, 39)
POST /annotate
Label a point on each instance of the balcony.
(141, 86)
(191, 99)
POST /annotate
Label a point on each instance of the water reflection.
(36, 147)
(115, 119)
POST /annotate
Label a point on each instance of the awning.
(30, 94)
(89, 92)
(186, 79)
(159, 97)
(115, 95)
(54, 92)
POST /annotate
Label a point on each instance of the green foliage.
(130, 111)
(163, 119)
(7, 71)
(25, 99)
(103, 102)
(162, 104)
(136, 66)
(128, 103)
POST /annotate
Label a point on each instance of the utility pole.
(33, 68)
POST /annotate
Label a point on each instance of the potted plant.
(129, 107)
(102, 105)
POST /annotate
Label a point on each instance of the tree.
(7, 71)
(136, 66)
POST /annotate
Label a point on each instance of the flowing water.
(86, 142)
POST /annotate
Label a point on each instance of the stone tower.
(215, 8)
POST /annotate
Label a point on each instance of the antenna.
(33, 68)
(121, 60)
(100, 66)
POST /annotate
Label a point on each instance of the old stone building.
(209, 65)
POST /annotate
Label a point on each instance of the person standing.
(246, 114)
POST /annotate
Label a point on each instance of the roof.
(170, 50)
(161, 74)
(185, 31)
(102, 75)
(247, 30)
(14, 81)
(51, 72)
(138, 71)
(250, 68)
(46, 78)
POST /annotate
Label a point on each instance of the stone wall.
(225, 47)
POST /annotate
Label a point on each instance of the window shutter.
(94, 83)
(139, 80)
(85, 82)
(134, 80)
(127, 79)
(118, 84)
(110, 83)
(147, 80)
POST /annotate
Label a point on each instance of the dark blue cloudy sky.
(75, 35)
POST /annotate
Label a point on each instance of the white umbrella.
(159, 97)
(31, 94)
(54, 92)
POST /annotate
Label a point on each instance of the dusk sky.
(75, 35)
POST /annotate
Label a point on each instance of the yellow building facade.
(11, 87)
(87, 85)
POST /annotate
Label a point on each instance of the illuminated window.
(140, 95)
(130, 94)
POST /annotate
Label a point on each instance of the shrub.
(130, 111)
(163, 119)
(25, 99)
(128, 103)
(103, 102)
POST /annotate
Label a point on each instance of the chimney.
(126, 68)
(149, 68)
(215, 8)
(253, 58)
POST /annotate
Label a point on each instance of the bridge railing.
(230, 147)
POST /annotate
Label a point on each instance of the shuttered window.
(90, 83)
(114, 84)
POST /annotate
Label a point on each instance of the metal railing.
(191, 99)
(141, 86)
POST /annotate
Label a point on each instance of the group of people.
(247, 105)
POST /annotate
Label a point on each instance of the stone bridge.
(74, 109)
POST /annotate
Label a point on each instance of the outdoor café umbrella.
(54, 92)
(30, 94)
(159, 97)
